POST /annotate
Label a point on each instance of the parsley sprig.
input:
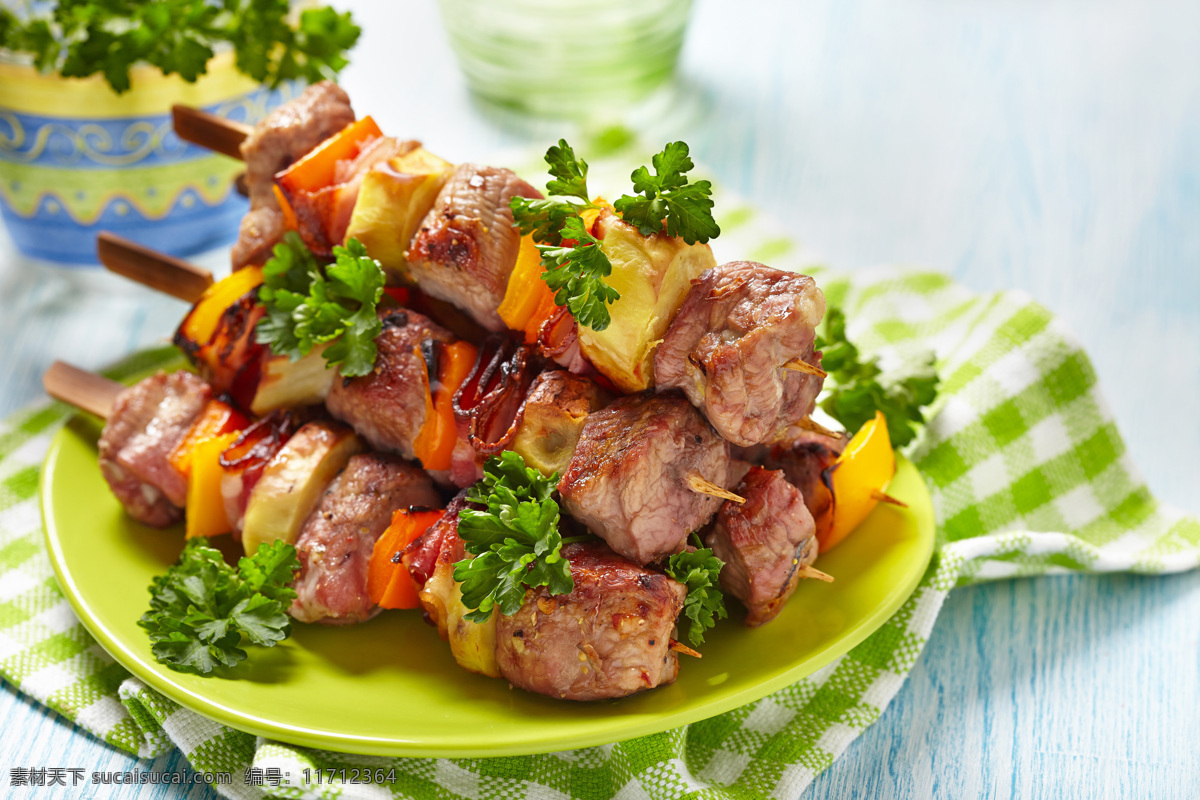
(85, 37)
(858, 392)
(699, 571)
(307, 306)
(667, 201)
(515, 541)
(202, 607)
(573, 264)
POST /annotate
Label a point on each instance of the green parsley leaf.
(857, 392)
(699, 571)
(202, 607)
(570, 173)
(667, 196)
(576, 274)
(575, 271)
(515, 541)
(306, 307)
(86, 37)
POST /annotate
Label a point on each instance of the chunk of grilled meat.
(387, 407)
(610, 637)
(737, 327)
(628, 480)
(262, 228)
(282, 137)
(466, 247)
(336, 541)
(763, 542)
(148, 420)
(804, 461)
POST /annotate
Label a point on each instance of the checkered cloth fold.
(1028, 477)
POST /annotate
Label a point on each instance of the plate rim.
(373, 745)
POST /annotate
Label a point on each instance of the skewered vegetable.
(392, 200)
(292, 482)
(858, 478)
(652, 275)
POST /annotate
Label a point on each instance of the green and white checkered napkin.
(1028, 476)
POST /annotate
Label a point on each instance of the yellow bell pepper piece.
(201, 322)
(863, 470)
(205, 506)
(526, 289)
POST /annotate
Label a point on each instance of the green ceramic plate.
(391, 687)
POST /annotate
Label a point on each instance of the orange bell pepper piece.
(205, 512)
(316, 170)
(862, 471)
(435, 441)
(388, 583)
(217, 418)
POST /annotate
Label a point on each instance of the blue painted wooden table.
(1051, 147)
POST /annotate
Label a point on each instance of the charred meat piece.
(764, 542)
(290, 132)
(628, 480)
(148, 420)
(610, 637)
(336, 541)
(804, 462)
(466, 247)
(387, 407)
(737, 327)
(282, 137)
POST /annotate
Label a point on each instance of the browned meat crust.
(628, 478)
(804, 461)
(763, 543)
(466, 247)
(288, 133)
(387, 407)
(279, 139)
(335, 544)
(262, 228)
(609, 637)
(737, 327)
(148, 420)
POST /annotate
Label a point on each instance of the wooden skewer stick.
(807, 571)
(209, 131)
(85, 390)
(809, 424)
(887, 498)
(151, 268)
(680, 647)
(701, 486)
(800, 365)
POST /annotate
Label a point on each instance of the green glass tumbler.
(559, 58)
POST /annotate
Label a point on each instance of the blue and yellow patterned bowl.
(77, 158)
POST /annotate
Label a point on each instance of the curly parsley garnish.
(84, 37)
(515, 541)
(858, 393)
(307, 307)
(576, 273)
(574, 265)
(699, 571)
(667, 197)
(201, 609)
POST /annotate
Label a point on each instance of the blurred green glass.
(563, 58)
